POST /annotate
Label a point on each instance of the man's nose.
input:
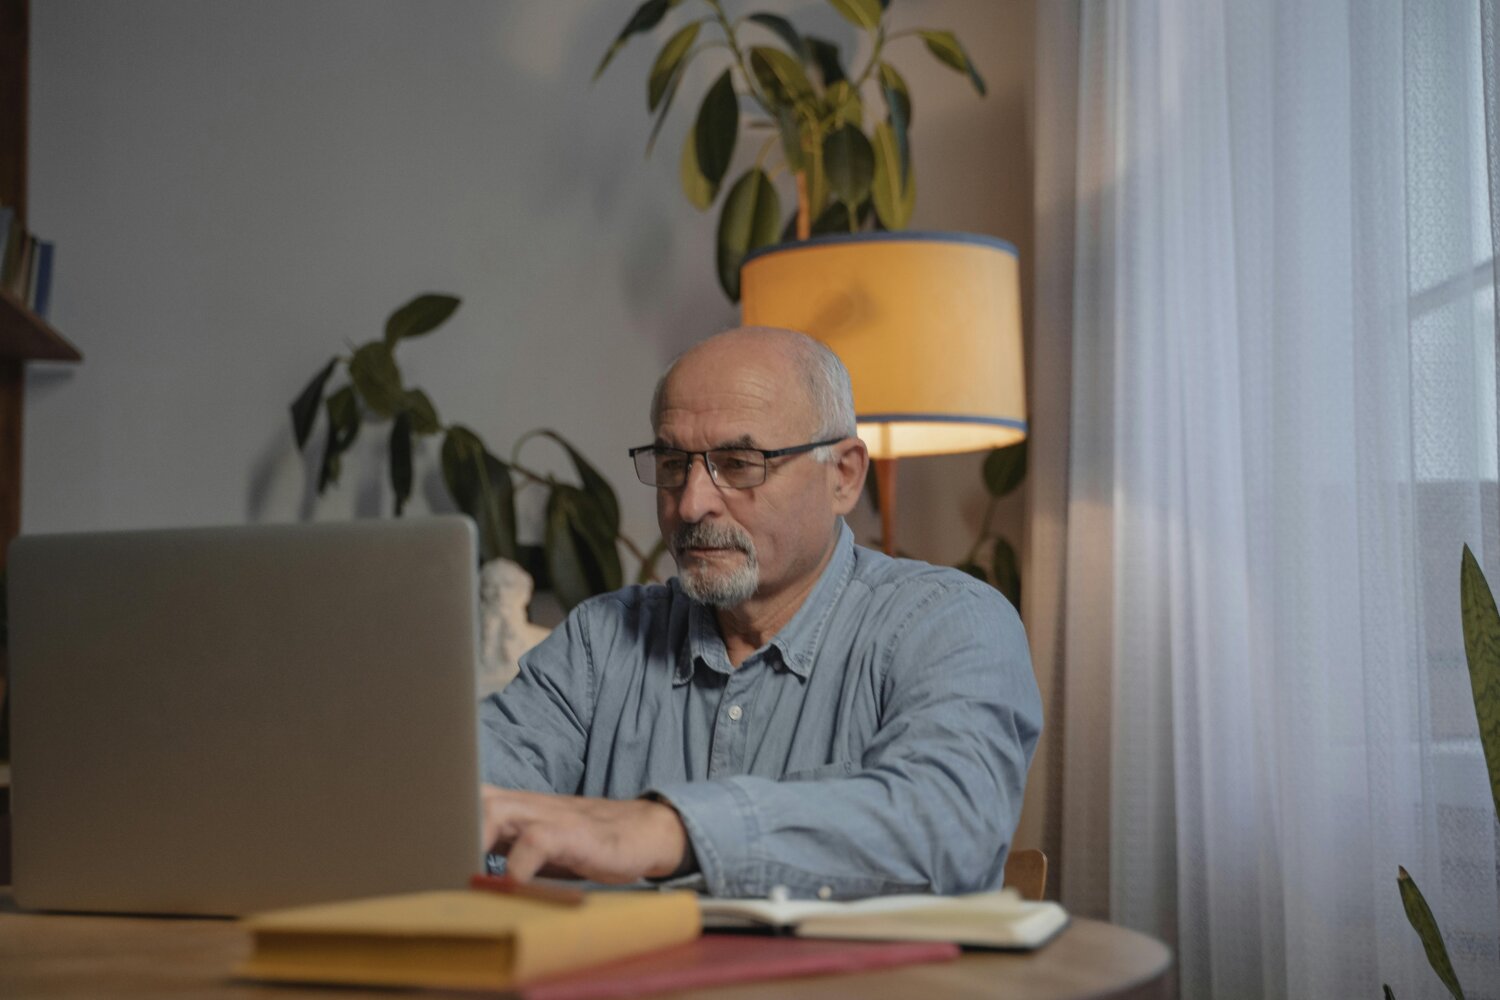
(698, 496)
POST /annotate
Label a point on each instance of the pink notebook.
(721, 959)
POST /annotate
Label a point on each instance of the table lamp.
(929, 326)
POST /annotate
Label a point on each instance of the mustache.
(706, 535)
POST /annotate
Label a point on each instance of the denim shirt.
(878, 744)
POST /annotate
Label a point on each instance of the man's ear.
(851, 461)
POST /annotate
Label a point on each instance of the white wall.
(237, 190)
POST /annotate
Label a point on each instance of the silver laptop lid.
(224, 720)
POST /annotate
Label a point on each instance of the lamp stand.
(885, 480)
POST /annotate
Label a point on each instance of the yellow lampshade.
(929, 325)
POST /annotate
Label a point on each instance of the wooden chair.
(1026, 872)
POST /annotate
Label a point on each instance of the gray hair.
(823, 376)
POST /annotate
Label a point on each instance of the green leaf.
(749, 219)
(898, 108)
(305, 406)
(975, 570)
(1007, 571)
(423, 415)
(791, 138)
(1482, 646)
(595, 485)
(422, 314)
(894, 197)
(861, 13)
(1387, 990)
(850, 163)
(717, 127)
(782, 27)
(401, 460)
(825, 55)
(700, 193)
(666, 105)
(894, 87)
(845, 105)
(668, 62)
(780, 76)
(343, 428)
(945, 45)
(480, 486)
(1004, 468)
(377, 379)
(647, 16)
(817, 177)
(1419, 914)
(833, 219)
(581, 556)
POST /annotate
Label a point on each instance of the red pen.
(551, 892)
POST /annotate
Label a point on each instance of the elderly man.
(791, 710)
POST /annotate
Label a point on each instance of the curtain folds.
(1281, 369)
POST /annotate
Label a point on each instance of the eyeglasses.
(730, 468)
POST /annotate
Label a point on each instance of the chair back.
(1026, 872)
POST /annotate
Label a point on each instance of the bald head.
(821, 375)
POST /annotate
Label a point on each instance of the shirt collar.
(797, 642)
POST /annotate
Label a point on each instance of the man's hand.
(601, 840)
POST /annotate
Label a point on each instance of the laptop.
(224, 720)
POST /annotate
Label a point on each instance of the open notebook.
(999, 919)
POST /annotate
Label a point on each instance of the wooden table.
(45, 955)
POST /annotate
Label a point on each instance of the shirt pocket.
(838, 769)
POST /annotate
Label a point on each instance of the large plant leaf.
(973, 569)
(1386, 990)
(401, 460)
(343, 428)
(377, 379)
(893, 195)
(1423, 922)
(898, 113)
(423, 415)
(666, 105)
(850, 163)
(700, 193)
(647, 16)
(422, 314)
(791, 138)
(1005, 468)
(845, 105)
(825, 56)
(669, 62)
(945, 45)
(1482, 646)
(305, 407)
(595, 485)
(582, 559)
(480, 486)
(717, 128)
(1006, 569)
(780, 76)
(750, 218)
(817, 176)
(862, 13)
(782, 27)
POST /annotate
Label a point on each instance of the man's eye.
(734, 463)
(670, 463)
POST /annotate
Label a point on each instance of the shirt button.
(735, 712)
(825, 893)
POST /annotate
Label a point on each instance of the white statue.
(504, 592)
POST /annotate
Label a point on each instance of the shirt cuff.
(721, 824)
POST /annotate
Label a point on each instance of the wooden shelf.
(25, 336)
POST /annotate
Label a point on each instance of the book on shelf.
(462, 939)
(25, 263)
(999, 919)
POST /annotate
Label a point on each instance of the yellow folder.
(462, 939)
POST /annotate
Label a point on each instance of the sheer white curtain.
(1279, 301)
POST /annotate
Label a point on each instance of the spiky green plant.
(1481, 622)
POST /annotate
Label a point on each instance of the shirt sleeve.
(534, 732)
(933, 803)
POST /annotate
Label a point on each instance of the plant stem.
(880, 41)
(739, 57)
(984, 529)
